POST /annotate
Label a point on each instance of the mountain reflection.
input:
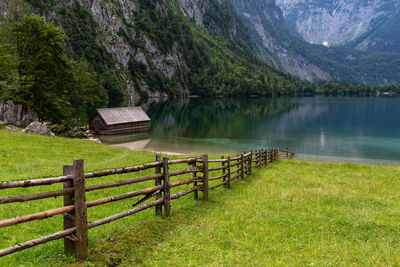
(358, 128)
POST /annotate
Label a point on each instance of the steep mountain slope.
(158, 47)
(383, 36)
(335, 21)
(277, 45)
(272, 40)
(372, 26)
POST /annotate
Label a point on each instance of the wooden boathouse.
(108, 121)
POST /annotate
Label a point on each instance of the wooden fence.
(74, 190)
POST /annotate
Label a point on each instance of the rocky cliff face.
(360, 61)
(336, 22)
(16, 114)
(272, 40)
(120, 36)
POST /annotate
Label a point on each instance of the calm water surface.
(343, 128)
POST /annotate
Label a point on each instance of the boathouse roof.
(113, 116)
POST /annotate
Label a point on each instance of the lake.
(365, 129)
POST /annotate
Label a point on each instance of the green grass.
(289, 213)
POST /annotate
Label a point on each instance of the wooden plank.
(35, 196)
(182, 182)
(180, 161)
(122, 170)
(69, 221)
(94, 187)
(183, 193)
(216, 168)
(167, 193)
(34, 182)
(157, 183)
(80, 210)
(38, 241)
(124, 214)
(218, 185)
(218, 177)
(106, 200)
(180, 172)
(36, 216)
(205, 177)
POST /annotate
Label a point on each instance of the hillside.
(159, 48)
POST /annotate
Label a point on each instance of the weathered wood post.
(82, 234)
(205, 177)
(271, 154)
(250, 162)
(223, 170)
(287, 152)
(265, 157)
(157, 183)
(167, 187)
(196, 192)
(229, 172)
(261, 158)
(69, 219)
(278, 153)
(242, 166)
(257, 159)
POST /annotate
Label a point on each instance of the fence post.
(80, 210)
(265, 157)
(229, 172)
(223, 170)
(69, 219)
(271, 155)
(287, 152)
(250, 162)
(278, 153)
(167, 193)
(261, 158)
(158, 182)
(196, 192)
(242, 166)
(205, 177)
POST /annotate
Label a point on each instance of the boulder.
(38, 128)
(12, 128)
(16, 114)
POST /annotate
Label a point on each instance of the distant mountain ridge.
(357, 62)
(365, 25)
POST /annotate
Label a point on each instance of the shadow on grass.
(140, 239)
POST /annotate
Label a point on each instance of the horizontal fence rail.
(74, 210)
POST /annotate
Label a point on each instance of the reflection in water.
(359, 128)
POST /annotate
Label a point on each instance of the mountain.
(285, 48)
(372, 26)
(273, 42)
(142, 48)
(337, 22)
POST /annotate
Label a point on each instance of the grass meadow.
(289, 213)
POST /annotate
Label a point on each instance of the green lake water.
(366, 129)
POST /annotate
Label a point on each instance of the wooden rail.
(75, 232)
